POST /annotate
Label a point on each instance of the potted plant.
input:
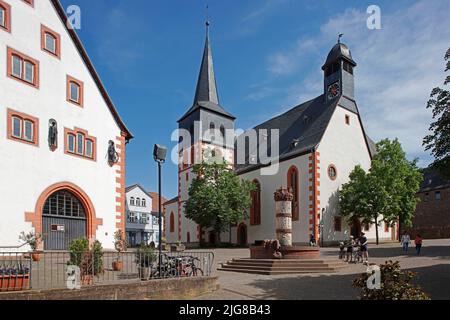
(144, 258)
(120, 245)
(33, 240)
(88, 259)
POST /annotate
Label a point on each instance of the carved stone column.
(283, 208)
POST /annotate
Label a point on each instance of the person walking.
(364, 243)
(350, 245)
(418, 241)
(406, 240)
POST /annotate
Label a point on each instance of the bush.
(395, 285)
(89, 260)
(145, 256)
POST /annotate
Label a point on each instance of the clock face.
(334, 90)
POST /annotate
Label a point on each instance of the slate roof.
(206, 95)
(339, 51)
(433, 180)
(302, 129)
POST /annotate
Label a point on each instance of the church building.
(320, 143)
(62, 142)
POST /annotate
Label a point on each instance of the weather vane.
(207, 16)
(340, 36)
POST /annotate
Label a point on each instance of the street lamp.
(159, 155)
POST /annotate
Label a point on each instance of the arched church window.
(222, 130)
(293, 185)
(172, 222)
(255, 209)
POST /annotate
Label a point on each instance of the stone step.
(275, 272)
(293, 265)
(286, 268)
(286, 262)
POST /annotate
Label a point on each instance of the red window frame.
(172, 222)
(23, 117)
(86, 137)
(45, 30)
(80, 102)
(29, 2)
(7, 8)
(23, 58)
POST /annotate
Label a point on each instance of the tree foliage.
(439, 139)
(386, 193)
(218, 198)
(395, 285)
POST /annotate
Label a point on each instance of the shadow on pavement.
(439, 252)
(434, 280)
(326, 287)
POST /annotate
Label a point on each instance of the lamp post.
(159, 155)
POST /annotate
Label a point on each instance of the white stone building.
(321, 142)
(56, 124)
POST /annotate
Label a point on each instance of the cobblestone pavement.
(433, 268)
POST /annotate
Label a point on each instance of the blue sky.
(267, 55)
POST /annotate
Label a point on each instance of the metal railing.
(60, 270)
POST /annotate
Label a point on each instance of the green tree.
(218, 198)
(439, 139)
(386, 193)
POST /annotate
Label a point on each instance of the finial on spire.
(207, 17)
(339, 37)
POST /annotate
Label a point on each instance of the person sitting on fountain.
(312, 241)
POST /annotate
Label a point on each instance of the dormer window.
(132, 201)
(295, 143)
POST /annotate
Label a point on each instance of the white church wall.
(344, 147)
(269, 184)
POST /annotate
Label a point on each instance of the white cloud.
(397, 67)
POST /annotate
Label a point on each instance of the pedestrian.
(350, 244)
(406, 240)
(418, 242)
(312, 241)
(364, 245)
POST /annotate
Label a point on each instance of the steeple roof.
(206, 95)
(339, 51)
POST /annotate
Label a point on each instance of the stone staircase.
(280, 267)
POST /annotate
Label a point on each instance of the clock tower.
(338, 69)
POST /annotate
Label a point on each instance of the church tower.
(338, 73)
(211, 131)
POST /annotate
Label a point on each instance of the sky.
(268, 56)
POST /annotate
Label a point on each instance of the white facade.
(142, 224)
(34, 169)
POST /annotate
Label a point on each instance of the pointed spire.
(206, 85)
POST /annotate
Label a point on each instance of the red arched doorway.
(242, 235)
(37, 217)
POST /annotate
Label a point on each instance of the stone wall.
(432, 218)
(168, 289)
